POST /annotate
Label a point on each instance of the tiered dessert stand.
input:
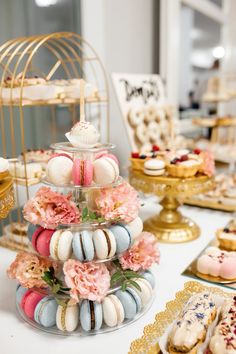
(68, 56)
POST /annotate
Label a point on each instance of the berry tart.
(227, 236)
(184, 165)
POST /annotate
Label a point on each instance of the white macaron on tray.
(87, 271)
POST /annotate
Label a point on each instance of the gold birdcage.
(58, 58)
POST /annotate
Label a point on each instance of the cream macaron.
(105, 170)
(67, 317)
(104, 243)
(146, 290)
(154, 167)
(61, 245)
(113, 311)
(135, 228)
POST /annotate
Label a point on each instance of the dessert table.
(18, 337)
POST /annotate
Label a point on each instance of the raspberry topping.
(155, 148)
(184, 158)
(197, 151)
(135, 155)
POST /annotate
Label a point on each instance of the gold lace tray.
(215, 205)
(148, 343)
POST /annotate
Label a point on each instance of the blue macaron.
(31, 230)
(90, 315)
(82, 246)
(131, 302)
(149, 277)
(45, 312)
(20, 292)
(122, 236)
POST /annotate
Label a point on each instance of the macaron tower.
(88, 268)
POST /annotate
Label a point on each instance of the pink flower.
(86, 280)
(50, 209)
(208, 167)
(142, 254)
(120, 203)
(28, 269)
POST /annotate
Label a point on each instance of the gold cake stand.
(170, 225)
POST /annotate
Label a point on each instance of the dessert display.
(17, 232)
(227, 236)
(190, 328)
(200, 320)
(29, 173)
(217, 263)
(7, 198)
(223, 340)
(221, 196)
(40, 156)
(180, 163)
(172, 174)
(36, 88)
(89, 268)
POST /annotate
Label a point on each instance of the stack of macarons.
(84, 245)
(63, 169)
(112, 311)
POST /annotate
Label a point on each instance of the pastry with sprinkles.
(189, 330)
(224, 339)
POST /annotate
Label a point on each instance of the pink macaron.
(29, 302)
(82, 172)
(41, 241)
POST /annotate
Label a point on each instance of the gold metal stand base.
(183, 231)
(170, 225)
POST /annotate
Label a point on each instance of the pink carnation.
(86, 280)
(28, 269)
(120, 203)
(208, 167)
(50, 209)
(142, 254)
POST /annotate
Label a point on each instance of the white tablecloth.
(18, 337)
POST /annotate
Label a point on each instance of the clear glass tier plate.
(83, 188)
(79, 332)
(66, 146)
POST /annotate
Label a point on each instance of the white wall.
(122, 34)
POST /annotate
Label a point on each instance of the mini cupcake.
(184, 166)
(227, 236)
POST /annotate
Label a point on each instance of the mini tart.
(182, 169)
(227, 238)
(137, 163)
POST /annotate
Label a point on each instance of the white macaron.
(154, 167)
(113, 311)
(61, 245)
(105, 171)
(135, 227)
(146, 290)
(67, 317)
(59, 169)
(104, 243)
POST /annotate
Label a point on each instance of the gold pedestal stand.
(170, 225)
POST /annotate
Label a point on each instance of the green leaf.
(56, 288)
(61, 302)
(115, 277)
(84, 213)
(123, 286)
(136, 285)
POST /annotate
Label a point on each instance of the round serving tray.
(79, 332)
